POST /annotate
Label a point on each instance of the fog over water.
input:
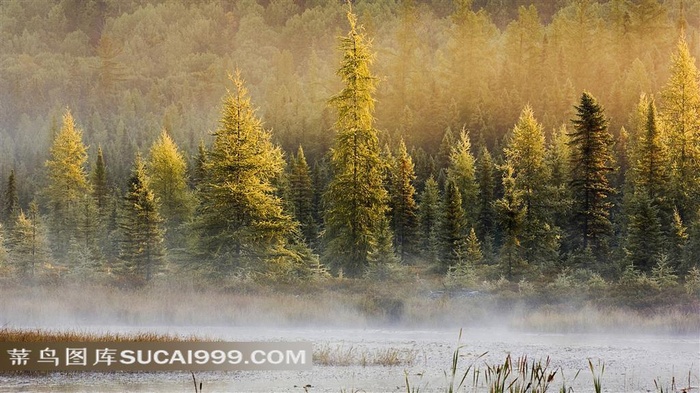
(632, 360)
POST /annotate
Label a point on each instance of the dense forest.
(294, 138)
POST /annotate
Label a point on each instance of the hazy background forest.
(128, 69)
(454, 78)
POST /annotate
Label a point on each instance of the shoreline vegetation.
(569, 304)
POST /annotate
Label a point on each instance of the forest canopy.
(476, 121)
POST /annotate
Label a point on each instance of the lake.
(632, 362)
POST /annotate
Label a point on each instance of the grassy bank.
(413, 302)
(9, 334)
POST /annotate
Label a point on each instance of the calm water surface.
(631, 362)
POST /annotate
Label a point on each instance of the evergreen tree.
(100, 187)
(678, 240)
(680, 112)
(383, 253)
(10, 208)
(429, 217)
(644, 243)
(424, 166)
(88, 231)
(558, 160)
(461, 171)
(301, 197)
(67, 183)
(473, 254)
(240, 220)
(141, 233)
(104, 204)
(511, 211)
(199, 163)
(591, 163)
(22, 248)
(445, 150)
(167, 172)
(28, 247)
(692, 247)
(403, 205)
(621, 149)
(650, 162)
(486, 179)
(356, 199)
(451, 234)
(320, 178)
(526, 153)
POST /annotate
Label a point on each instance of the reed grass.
(8, 334)
(521, 375)
(339, 355)
(597, 376)
(343, 303)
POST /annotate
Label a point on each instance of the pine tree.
(27, 244)
(199, 163)
(383, 254)
(511, 211)
(100, 187)
(356, 199)
(678, 240)
(644, 243)
(103, 202)
(526, 153)
(558, 161)
(141, 233)
(301, 196)
(461, 171)
(692, 246)
(167, 172)
(67, 183)
(88, 230)
(650, 161)
(320, 178)
(403, 205)
(10, 208)
(425, 166)
(463, 273)
(451, 236)
(240, 219)
(621, 156)
(429, 217)
(22, 248)
(486, 179)
(591, 163)
(445, 150)
(473, 254)
(680, 113)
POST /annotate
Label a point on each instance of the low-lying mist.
(162, 304)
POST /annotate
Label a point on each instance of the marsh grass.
(520, 375)
(344, 302)
(339, 355)
(592, 319)
(597, 376)
(8, 334)
(660, 387)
